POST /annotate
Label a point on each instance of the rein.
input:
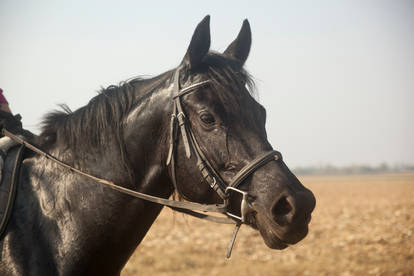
(176, 205)
(179, 121)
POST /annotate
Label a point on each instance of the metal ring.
(244, 193)
(243, 205)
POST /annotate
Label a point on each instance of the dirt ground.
(362, 225)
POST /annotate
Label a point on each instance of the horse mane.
(88, 126)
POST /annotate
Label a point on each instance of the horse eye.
(207, 118)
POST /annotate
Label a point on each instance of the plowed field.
(362, 225)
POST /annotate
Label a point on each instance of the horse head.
(227, 126)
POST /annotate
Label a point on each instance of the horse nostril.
(280, 210)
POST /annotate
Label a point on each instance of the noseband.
(210, 175)
(179, 122)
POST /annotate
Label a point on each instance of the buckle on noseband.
(245, 207)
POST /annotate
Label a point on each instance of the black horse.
(64, 223)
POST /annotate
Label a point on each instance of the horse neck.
(118, 222)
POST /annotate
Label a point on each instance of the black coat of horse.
(66, 224)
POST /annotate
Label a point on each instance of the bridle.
(210, 175)
(179, 122)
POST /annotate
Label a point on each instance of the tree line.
(353, 169)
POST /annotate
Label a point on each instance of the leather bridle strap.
(207, 170)
(189, 140)
(253, 166)
(12, 191)
(176, 205)
(190, 88)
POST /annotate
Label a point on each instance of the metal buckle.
(214, 182)
(180, 117)
(244, 206)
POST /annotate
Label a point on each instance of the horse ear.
(239, 49)
(199, 45)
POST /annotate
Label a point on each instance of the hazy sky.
(336, 77)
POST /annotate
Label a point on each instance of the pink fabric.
(2, 98)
